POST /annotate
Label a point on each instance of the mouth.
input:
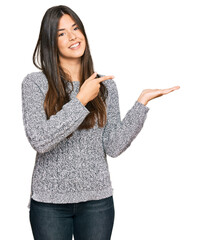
(75, 46)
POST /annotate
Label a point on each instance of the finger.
(165, 91)
(176, 87)
(101, 79)
(92, 76)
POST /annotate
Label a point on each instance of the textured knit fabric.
(75, 169)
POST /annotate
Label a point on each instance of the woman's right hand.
(90, 88)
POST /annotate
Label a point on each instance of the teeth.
(75, 45)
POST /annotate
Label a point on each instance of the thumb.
(92, 76)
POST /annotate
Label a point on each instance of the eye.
(63, 33)
(60, 34)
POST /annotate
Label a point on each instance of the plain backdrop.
(144, 44)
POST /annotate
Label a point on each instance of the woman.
(72, 119)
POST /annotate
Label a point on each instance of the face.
(68, 34)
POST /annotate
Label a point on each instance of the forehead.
(66, 21)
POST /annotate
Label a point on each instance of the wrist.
(81, 99)
(143, 101)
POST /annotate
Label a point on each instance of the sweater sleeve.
(117, 134)
(43, 134)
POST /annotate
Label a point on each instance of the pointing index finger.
(101, 79)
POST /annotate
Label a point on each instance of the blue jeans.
(90, 220)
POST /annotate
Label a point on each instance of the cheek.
(81, 36)
(84, 44)
(83, 40)
(62, 44)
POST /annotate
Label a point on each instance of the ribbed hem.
(49, 197)
(79, 103)
(141, 107)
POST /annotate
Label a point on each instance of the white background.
(144, 44)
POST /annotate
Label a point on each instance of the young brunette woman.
(72, 119)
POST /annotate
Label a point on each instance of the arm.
(117, 134)
(44, 134)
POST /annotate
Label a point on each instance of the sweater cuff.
(78, 106)
(141, 107)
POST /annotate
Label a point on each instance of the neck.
(72, 67)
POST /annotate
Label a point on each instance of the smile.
(76, 46)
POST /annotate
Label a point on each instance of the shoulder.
(113, 96)
(36, 78)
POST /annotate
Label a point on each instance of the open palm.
(149, 94)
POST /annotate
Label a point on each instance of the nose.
(71, 36)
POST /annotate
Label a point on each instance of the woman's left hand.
(149, 94)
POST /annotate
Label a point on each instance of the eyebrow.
(61, 29)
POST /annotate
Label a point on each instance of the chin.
(78, 53)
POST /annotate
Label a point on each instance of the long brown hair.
(47, 55)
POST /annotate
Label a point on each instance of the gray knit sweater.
(74, 170)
